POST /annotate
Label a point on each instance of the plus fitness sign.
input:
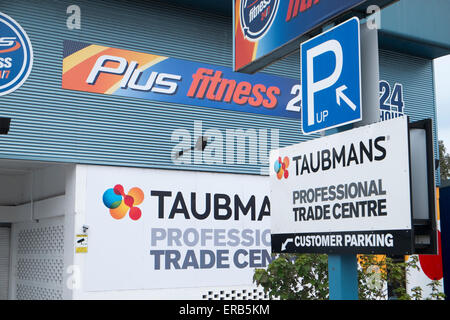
(16, 55)
(257, 17)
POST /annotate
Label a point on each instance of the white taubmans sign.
(345, 193)
(172, 229)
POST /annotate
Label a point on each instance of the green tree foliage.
(295, 277)
(444, 161)
(305, 277)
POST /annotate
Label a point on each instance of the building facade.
(190, 220)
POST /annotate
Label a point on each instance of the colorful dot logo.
(120, 203)
(280, 168)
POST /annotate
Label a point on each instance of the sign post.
(343, 276)
(340, 73)
(332, 98)
(346, 194)
(343, 269)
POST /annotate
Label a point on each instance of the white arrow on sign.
(284, 244)
(341, 95)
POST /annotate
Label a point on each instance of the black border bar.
(290, 242)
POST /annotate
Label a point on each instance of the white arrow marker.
(284, 244)
(341, 95)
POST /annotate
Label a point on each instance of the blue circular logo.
(257, 17)
(16, 55)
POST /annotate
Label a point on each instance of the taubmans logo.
(257, 17)
(120, 203)
(16, 55)
(281, 168)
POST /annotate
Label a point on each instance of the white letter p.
(313, 87)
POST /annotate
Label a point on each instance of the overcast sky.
(442, 82)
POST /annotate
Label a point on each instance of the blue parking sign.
(331, 78)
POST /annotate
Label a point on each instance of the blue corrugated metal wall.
(417, 27)
(416, 76)
(53, 124)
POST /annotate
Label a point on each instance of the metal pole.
(343, 276)
(343, 268)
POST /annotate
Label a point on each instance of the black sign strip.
(426, 226)
(392, 242)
